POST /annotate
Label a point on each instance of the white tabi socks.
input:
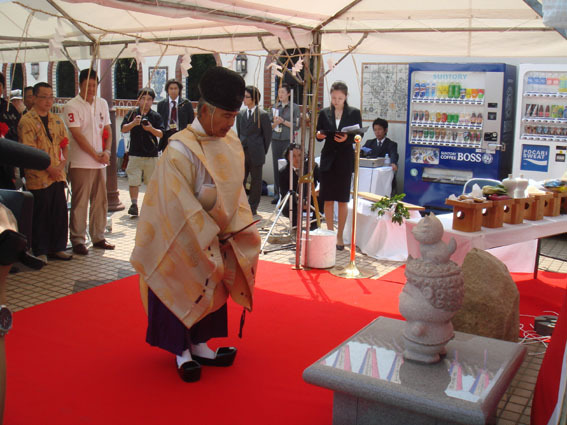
(184, 358)
(203, 350)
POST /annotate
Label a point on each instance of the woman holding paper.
(337, 156)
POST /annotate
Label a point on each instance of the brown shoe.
(80, 249)
(103, 244)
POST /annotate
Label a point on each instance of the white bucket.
(322, 249)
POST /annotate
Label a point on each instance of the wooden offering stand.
(494, 217)
(534, 211)
(552, 207)
(514, 214)
(467, 217)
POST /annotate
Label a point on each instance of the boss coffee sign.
(535, 158)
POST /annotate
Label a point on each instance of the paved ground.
(58, 279)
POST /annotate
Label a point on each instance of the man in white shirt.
(88, 121)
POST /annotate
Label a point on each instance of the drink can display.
(432, 90)
(468, 93)
(420, 134)
(422, 89)
(426, 95)
(463, 93)
(528, 109)
(466, 136)
(473, 118)
(479, 118)
(431, 134)
(415, 115)
(438, 117)
(421, 116)
(454, 136)
(481, 93)
(437, 134)
(426, 115)
(444, 117)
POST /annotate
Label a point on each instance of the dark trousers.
(278, 150)
(50, 220)
(255, 193)
(166, 331)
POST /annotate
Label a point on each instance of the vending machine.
(460, 125)
(541, 125)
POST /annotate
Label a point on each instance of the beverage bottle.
(473, 118)
(562, 83)
(463, 93)
(422, 89)
(479, 118)
(416, 89)
(438, 117)
(547, 112)
(481, 93)
(415, 115)
(555, 85)
(426, 90)
(457, 90)
(433, 90)
(540, 111)
(548, 83)
(528, 108)
(387, 160)
(450, 90)
(426, 116)
(444, 117)
(456, 118)
(529, 83)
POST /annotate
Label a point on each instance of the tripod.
(280, 208)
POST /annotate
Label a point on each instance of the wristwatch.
(5, 320)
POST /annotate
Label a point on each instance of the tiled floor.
(60, 278)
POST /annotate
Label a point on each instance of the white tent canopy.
(464, 28)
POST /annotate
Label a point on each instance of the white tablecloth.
(376, 236)
(375, 180)
(514, 244)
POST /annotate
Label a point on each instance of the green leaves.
(394, 205)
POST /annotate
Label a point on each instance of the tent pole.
(312, 85)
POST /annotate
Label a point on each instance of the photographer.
(145, 127)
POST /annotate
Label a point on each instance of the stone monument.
(433, 293)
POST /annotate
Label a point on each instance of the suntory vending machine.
(460, 125)
(541, 124)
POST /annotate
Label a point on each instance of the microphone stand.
(351, 271)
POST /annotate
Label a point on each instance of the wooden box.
(514, 214)
(467, 217)
(534, 211)
(552, 207)
(494, 217)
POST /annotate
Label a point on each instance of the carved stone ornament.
(433, 293)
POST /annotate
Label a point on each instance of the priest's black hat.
(223, 88)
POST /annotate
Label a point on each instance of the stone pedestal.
(373, 384)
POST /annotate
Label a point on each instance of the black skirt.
(336, 182)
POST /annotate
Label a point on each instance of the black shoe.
(189, 371)
(223, 357)
(133, 210)
(27, 259)
(275, 201)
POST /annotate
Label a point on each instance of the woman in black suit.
(337, 156)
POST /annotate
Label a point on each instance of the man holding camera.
(145, 127)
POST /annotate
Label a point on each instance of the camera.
(145, 121)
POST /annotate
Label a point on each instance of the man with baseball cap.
(196, 242)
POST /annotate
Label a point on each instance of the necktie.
(249, 114)
(173, 117)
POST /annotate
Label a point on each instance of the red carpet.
(82, 359)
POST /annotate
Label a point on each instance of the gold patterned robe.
(177, 252)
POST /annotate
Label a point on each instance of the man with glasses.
(28, 98)
(176, 111)
(88, 120)
(44, 130)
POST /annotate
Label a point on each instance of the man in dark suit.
(381, 145)
(176, 111)
(255, 132)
